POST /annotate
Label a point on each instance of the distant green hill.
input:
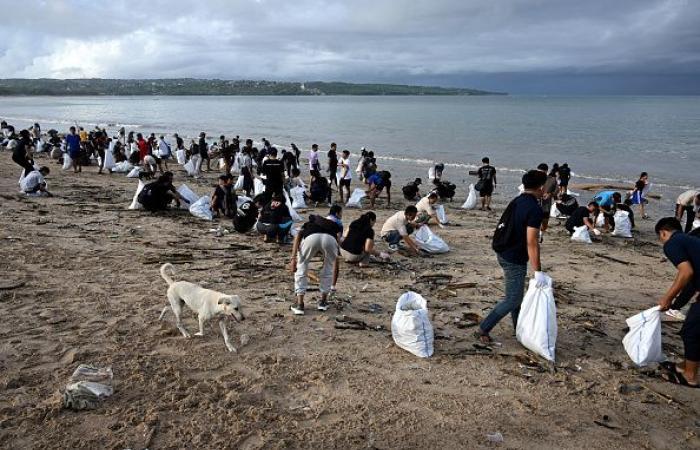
(191, 86)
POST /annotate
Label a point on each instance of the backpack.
(504, 234)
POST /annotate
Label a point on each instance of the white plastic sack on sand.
(188, 195)
(581, 234)
(429, 241)
(554, 211)
(123, 167)
(67, 162)
(135, 202)
(355, 200)
(537, 321)
(202, 209)
(181, 157)
(471, 201)
(600, 220)
(192, 166)
(297, 195)
(441, 215)
(292, 212)
(222, 163)
(235, 168)
(239, 183)
(411, 327)
(109, 160)
(643, 341)
(134, 173)
(258, 186)
(623, 225)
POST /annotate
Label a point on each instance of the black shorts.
(486, 189)
(691, 332)
(546, 207)
(345, 182)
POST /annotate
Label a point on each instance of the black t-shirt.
(486, 173)
(332, 160)
(564, 173)
(681, 248)
(354, 242)
(527, 213)
(20, 151)
(273, 169)
(245, 217)
(202, 147)
(576, 218)
(318, 224)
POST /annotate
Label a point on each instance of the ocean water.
(610, 138)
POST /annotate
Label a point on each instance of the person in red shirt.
(143, 146)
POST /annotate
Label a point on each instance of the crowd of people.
(544, 193)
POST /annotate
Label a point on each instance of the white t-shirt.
(31, 181)
(687, 198)
(397, 222)
(345, 171)
(424, 206)
(163, 148)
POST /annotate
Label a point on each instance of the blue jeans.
(514, 279)
(392, 237)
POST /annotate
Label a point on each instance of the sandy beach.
(81, 285)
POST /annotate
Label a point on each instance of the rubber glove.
(541, 280)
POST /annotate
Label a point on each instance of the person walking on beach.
(683, 251)
(486, 183)
(688, 203)
(273, 169)
(73, 149)
(314, 164)
(164, 153)
(245, 164)
(641, 187)
(550, 191)
(564, 178)
(144, 150)
(516, 242)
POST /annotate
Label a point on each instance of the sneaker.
(393, 248)
(322, 305)
(297, 309)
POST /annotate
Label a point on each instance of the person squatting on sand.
(516, 241)
(357, 246)
(398, 228)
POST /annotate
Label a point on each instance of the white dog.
(205, 302)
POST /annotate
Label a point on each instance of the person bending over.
(275, 220)
(158, 195)
(377, 182)
(318, 236)
(224, 200)
(34, 183)
(688, 203)
(683, 251)
(398, 228)
(582, 216)
(426, 210)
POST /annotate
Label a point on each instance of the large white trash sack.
(410, 326)
(623, 225)
(581, 234)
(135, 202)
(537, 321)
(67, 161)
(239, 183)
(235, 168)
(181, 157)
(441, 215)
(643, 341)
(554, 212)
(292, 212)
(600, 220)
(188, 195)
(123, 167)
(355, 200)
(297, 195)
(202, 209)
(193, 165)
(109, 159)
(258, 187)
(429, 241)
(696, 223)
(471, 201)
(134, 173)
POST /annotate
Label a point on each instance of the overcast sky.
(533, 46)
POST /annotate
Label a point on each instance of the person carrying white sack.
(516, 241)
(318, 236)
(683, 251)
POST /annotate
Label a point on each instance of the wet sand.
(81, 285)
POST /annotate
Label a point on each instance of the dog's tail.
(163, 272)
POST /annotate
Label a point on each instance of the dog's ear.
(224, 301)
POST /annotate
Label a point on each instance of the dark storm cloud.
(352, 40)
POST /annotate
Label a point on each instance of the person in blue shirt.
(523, 246)
(683, 251)
(73, 148)
(377, 182)
(606, 202)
